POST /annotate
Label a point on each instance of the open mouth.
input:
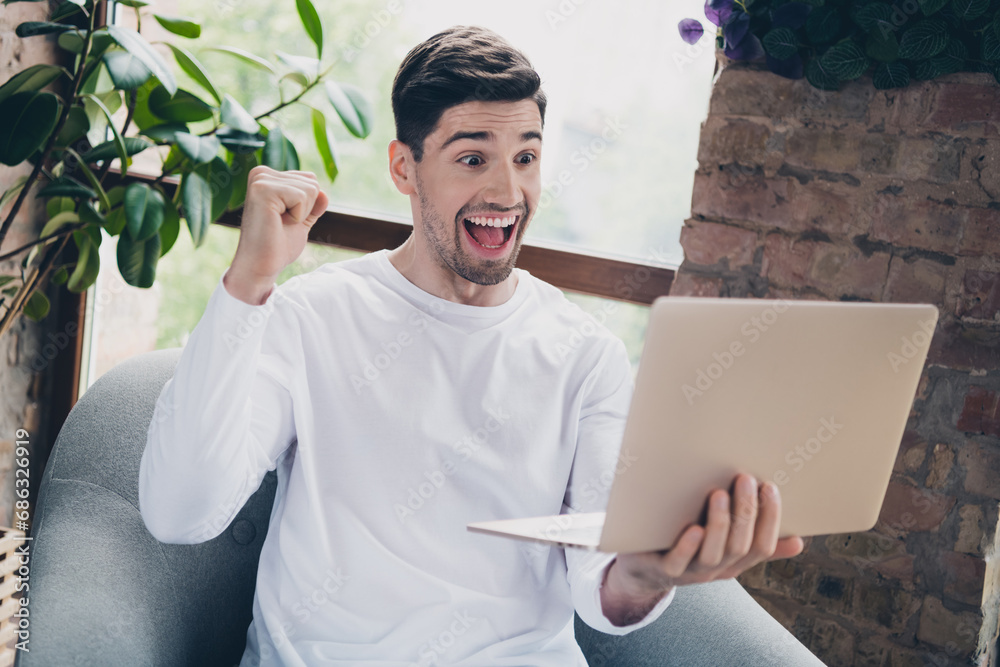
(491, 231)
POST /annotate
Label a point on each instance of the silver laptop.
(812, 395)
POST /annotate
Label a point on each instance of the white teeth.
(493, 222)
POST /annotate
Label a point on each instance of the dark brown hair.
(461, 64)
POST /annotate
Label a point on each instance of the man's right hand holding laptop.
(741, 531)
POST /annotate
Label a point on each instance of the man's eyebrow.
(485, 135)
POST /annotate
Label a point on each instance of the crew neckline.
(436, 304)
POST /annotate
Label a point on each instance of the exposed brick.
(915, 281)
(834, 270)
(708, 243)
(982, 229)
(912, 452)
(963, 577)
(753, 93)
(982, 166)
(908, 508)
(728, 140)
(787, 260)
(832, 641)
(981, 412)
(980, 296)
(943, 627)
(921, 224)
(734, 196)
(890, 607)
(871, 551)
(963, 107)
(940, 466)
(981, 465)
(971, 530)
(938, 159)
(826, 149)
(688, 284)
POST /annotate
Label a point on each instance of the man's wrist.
(624, 603)
(248, 289)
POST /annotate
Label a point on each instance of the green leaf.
(924, 40)
(115, 221)
(56, 205)
(67, 186)
(198, 149)
(279, 153)
(119, 141)
(246, 57)
(313, 26)
(13, 191)
(929, 7)
(875, 16)
(126, 70)
(325, 144)
(91, 216)
(845, 60)
(142, 117)
(991, 46)
(181, 107)
(77, 124)
(37, 306)
(183, 26)
(72, 41)
(133, 3)
(235, 140)
(236, 117)
(88, 263)
(136, 44)
(309, 67)
(953, 58)
(60, 276)
(781, 43)
(109, 149)
(819, 77)
(354, 109)
(32, 78)
(891, 75)
(143, 211)
(164, 131)
(32, 28)
(170, 228)
(969, 9)
(221, 181)
(57, 222)
(823, 25)
(194, 69)
(26, 121)
(95, 183)
(882, 46)
(196, 198)
(240, 166)
(137, 259)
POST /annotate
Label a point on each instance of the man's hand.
(281, 207)
(741, 531)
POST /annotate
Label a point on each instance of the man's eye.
(471, 160)
(527, 158)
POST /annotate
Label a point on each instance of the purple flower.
(748, 49)
(691, 30)
(718, 11)
(736, 29)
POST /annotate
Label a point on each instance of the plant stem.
(77, 79)
(28, 286)
(54, 235)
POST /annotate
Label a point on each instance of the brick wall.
(878, 196)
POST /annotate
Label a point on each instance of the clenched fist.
(281, 207)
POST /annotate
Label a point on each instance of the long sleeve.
(221, 422)
(598, 460)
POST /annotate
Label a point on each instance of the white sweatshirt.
(394, 418)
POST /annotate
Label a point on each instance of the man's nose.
(504, 188)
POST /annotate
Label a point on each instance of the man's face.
(477, 185)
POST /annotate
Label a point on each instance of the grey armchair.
(106, 592)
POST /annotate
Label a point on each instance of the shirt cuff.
(238, 320)
(587, 594)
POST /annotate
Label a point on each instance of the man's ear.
(401, 167)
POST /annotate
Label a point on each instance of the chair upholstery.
(106, 592)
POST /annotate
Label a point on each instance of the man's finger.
(745, 507)
(676, 562)
(788, 547)
(768, 521)
(713, 547)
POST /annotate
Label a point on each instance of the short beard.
(479, 272)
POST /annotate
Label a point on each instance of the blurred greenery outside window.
(626, 101)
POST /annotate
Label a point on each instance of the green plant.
(205, 137)
(831, 41)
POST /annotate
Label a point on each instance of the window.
(626, 99)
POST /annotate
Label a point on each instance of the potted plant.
(204, 136)
(831, 41)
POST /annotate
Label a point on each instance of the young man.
(405, 394)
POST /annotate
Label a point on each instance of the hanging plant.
(832, 41)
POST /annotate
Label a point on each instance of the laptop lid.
(812, 395)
